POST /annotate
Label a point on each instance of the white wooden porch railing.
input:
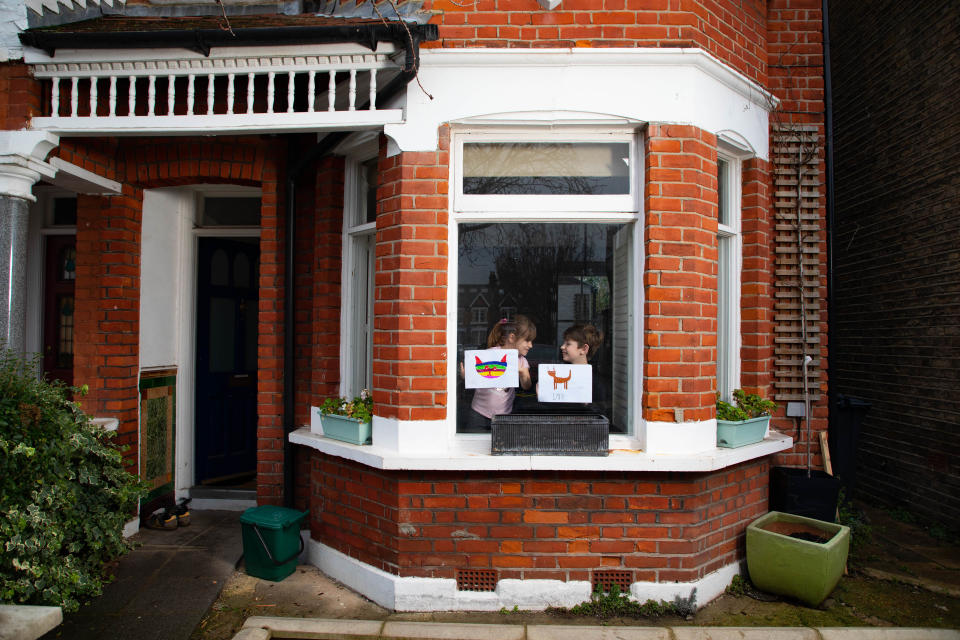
(242, 93)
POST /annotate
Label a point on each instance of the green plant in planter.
(747, 406)
(360, 408)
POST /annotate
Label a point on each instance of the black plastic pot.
(791, 491)
(844, 438)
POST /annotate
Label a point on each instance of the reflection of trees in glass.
(540, 169)
(528, 260)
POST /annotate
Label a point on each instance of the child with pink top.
(518, 334)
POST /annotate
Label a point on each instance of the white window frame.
(356, 231)
(545, 203)
(729, 269)
(619, 209)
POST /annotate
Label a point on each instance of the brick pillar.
(680, 279)
(107, 309)
(757, 291)
(409, 353)
(22, 96)
(327, 240)
(270, 434)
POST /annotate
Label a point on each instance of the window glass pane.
(65, 211)
(724, 301)
(368, 171)
(231, 212)
(557, 275)
(506, 168)
(723, 190)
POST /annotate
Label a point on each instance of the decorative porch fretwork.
(251, 90)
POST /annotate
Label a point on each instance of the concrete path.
(165, 585)
(265, 628)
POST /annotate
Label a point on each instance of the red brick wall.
(107, 310)
(21, 94)
(552, 525)
(409, 352)
(108, 272)
(733, 31)
(680, 277)
(795, 62)
(756, 285)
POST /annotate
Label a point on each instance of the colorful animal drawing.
(557, 381)
(492, 369)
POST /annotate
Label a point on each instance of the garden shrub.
(64, 492)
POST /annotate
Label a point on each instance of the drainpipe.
(831, 215)
(296, 164)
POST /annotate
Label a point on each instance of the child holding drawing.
(518, 334)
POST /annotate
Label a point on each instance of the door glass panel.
(68, 264)
(222, 334)
(241, 270)
(220, 268)
(65, 333)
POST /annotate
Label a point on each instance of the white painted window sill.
(474, 454)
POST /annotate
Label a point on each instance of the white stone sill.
(474, 454)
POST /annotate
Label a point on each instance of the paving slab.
(165, 585)
(575, 632)
(744, 633)
(27, 622)
(451, 631)
(887, 633)
(315, 627)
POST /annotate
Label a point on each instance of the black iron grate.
(476, 580)
(586, 434)
(605, 579)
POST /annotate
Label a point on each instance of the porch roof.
(119, 75)
(201, 33)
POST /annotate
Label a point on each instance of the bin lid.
(271, 517)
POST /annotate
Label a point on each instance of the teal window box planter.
(783, 556)
(739, 433)
(346, 429)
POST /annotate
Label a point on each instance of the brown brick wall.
(733, 31)
(896, 77)
(409, 352)
(680, 278)
(663, 527)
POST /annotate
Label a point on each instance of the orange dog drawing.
(559, 381)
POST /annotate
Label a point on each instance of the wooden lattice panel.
(796, 163)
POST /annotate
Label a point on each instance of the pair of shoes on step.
(170, 518)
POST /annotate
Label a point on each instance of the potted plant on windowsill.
(743, 422)
(348, 420)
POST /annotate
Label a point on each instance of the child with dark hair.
(580, 343)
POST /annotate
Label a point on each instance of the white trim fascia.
(441, 594)
(473, 454)
(73, 178)
(612, 56)
(576, 87)
(218, 124)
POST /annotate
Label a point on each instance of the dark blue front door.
(226, 374)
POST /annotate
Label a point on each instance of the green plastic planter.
(345, 429)
(271, 541)
(738, 433)
(788, 566)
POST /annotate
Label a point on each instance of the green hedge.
(64, 493)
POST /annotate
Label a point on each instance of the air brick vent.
(476, 580)
(605, 579)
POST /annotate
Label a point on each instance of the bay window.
(544, 227)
